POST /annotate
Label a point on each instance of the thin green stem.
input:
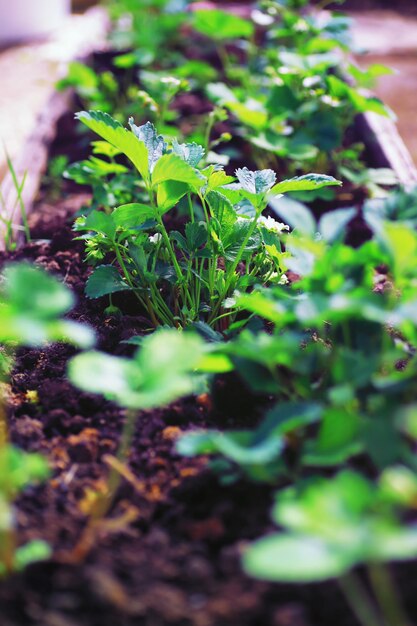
(103, 505)
(359, 600)
(386, 594)
(230, 273)
(191, 208)
(145, 302)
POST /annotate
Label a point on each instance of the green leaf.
(104, 280)
(36, 550)
(338, 438)
(132, 215)
(100, 222)
(154, 143)
(332, 510)
(217, 178)
(104, 148)
(332, 225)
(221, 208)
(289, 416)
(169, 194)
(394, 543)
(221, 25)
(258, 182)
(20, 469)
(119, 137)
(82, 77)
(295, 214)
(100, 373)
(294, 559)
(196, 235)
(249, 114)
(191, 153)
(171, 167)
(307, 182)
(160, 372)
(31, 291)
(239, 446)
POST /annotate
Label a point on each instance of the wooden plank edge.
(32, 162)
(386, 147)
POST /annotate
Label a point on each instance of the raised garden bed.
(169, 549)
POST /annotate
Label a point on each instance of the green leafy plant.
(329, 528)
(7, 214)
(31, 306)
(161, 371)
(337, 341)
(18, 470)
(184, 277)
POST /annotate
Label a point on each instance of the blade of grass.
(19, 188)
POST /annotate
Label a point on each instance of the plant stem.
(358, 600)
(114, 479)
(231, 271)
(190, 206)
(145, 303)
(386, 594)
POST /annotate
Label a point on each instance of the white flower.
(331, 102)
(272, 225)
(300, 26)
(280, 279)
(230, 303)
(262, 19)
(155, 239)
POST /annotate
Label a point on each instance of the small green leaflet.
(131, 215)
(119, 137)
(154, 143)
(221, 25)
(308, 182)
(172, 167)
(256, 182)
(191, 153)
(295, 559)
(169, 193)
(100, 222)
(103, 281)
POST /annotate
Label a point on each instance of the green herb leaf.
(257, 182)
(172, 167)
(104, 280)
(119, 137)
(294, 559)
(307, 182)
(132, 215)
(191, 153)
(154, 143)
(221, 25)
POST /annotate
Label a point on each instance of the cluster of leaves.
(226, 244)
(31, 308)
(340, 371)
(282, 77)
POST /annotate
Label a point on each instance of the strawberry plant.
(161, 371)
(226, 244)
(31, 308)
(331, 526)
